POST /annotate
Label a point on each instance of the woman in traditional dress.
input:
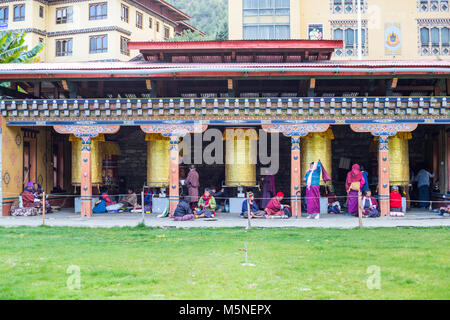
(312, 178)
(369, 206)
(206, 205)
(268, 187)
(353, 184)
(192, 182)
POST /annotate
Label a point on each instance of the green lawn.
(144, 263)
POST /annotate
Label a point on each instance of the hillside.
(209, 16)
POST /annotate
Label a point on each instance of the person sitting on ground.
(99, 207)
(206, 205)
(38, 195)
(219, 196)
(395, 200)
(254, 209)
(28, 196)
(369, 205)
(333, 203)
(444, 211)
(183, 211)
(275, 209)
(130, 199)
(105, 196)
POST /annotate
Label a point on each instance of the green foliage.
(188, 35)
(208, 16)
(13, 49)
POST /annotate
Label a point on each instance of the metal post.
(43, 208)
(143, 206)
(359, 211)
(248, 215)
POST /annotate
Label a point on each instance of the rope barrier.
(217, 198)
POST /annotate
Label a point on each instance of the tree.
(222, 34)
(13, 49)
(188, 35)
(208, 16)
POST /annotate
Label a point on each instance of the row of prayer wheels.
(240, 157)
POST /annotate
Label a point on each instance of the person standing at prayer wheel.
(312, 178)
(268, 189)
(423, 184)
(354, 182)
(366, 179)
(192, 182)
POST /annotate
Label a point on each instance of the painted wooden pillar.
(296, 204)
(86, 177)
(174, 177)
(383, 175)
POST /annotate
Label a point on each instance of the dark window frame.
(124, 13)
(61, 52)
(139, 20)
(5, 17)
(102, 49)
(68, 18)
(123, 50)
(98, 15)
(20, 17)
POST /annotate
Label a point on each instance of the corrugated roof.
(142, 65)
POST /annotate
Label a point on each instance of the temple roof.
(229, 51)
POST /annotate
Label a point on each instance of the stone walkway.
(67, 218)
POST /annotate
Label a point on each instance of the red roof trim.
(236, 45)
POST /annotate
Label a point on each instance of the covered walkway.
(68, 218)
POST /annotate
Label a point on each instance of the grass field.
(143, 263)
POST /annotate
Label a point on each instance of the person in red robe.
(192, 182)
(275, 208)
(28, 196)
(395, 200)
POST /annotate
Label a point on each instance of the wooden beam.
(394, 83)
(16, 94)
(312, 83)
(64, 85)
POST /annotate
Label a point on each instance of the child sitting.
(369, 205)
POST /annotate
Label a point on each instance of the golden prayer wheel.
(314, 146)
(96, 160)
(240, 156)
(398, 158)
(158, 160)
(111, 150)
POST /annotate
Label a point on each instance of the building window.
(19, 12)
(124, 13)
(41, 12)
(434, 38)
(98, 11)
(166, 33)
(64, 15)
(98, 44)
(348, 33)
(348, 6)
(150, 23)
(64, 47)
(124, 46)
(4, 15)
(266, 19)
(157, 26)
(433, 5)
(139, 20)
